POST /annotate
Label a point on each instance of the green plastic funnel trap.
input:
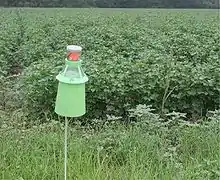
(70, 101)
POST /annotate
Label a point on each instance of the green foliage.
(114, 152)
(167, 59)
(113, 3)
(38, 85)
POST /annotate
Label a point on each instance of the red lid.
(73, 52)
(73, 56)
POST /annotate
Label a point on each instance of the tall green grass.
(116, 153)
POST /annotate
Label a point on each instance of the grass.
(37, 153)
(140, 151)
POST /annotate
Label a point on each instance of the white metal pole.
(65, 149)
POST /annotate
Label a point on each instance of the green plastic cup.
(70, 100)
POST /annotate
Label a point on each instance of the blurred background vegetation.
(113, 3)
